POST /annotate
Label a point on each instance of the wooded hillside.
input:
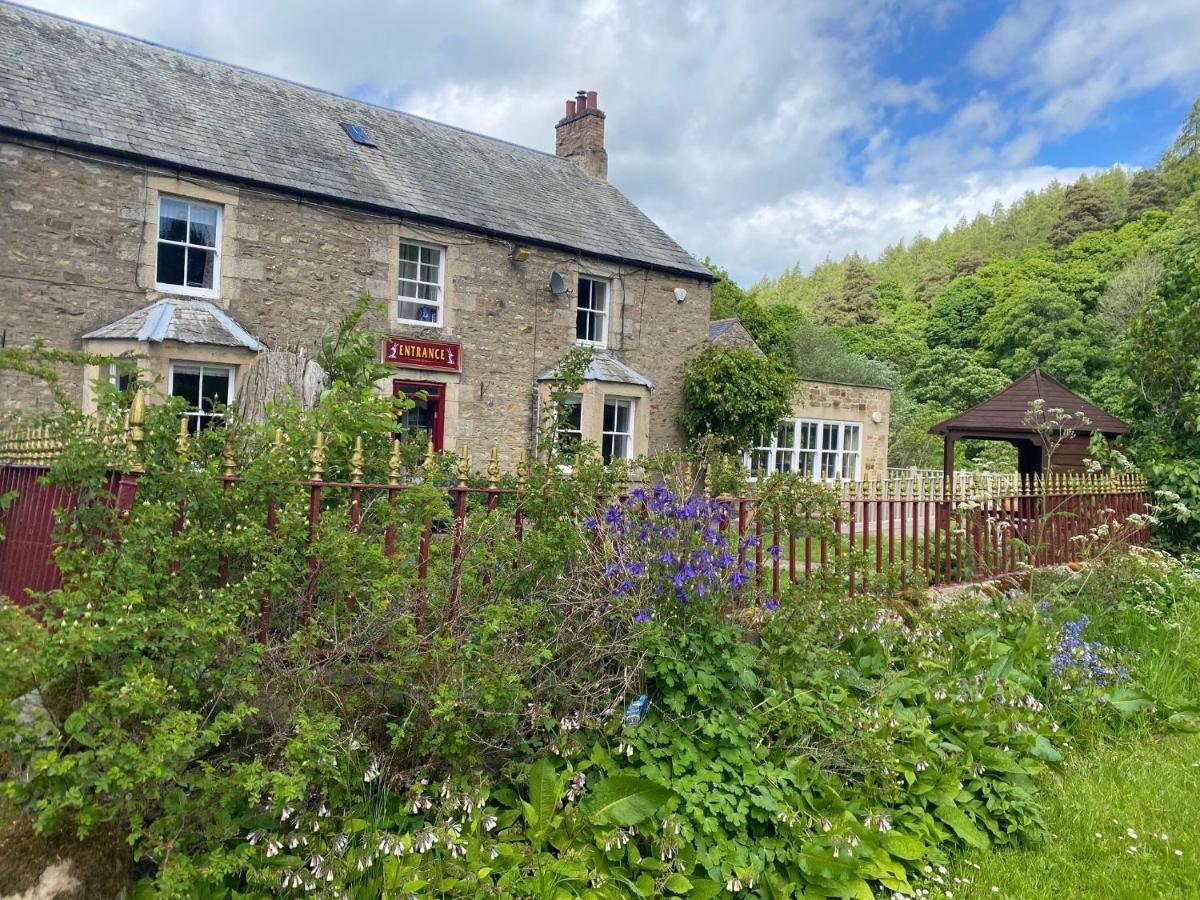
(1094, 281)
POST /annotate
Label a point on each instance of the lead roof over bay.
(78, 84)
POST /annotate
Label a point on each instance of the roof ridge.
(112, 32)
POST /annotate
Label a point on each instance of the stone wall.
(76, 245)
(836, 402)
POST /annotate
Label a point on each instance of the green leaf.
(903, 846)
(962, 826)
(677, 884)
(543, 792)
(626, 800)
(1044, 750)
(1127, 700)
(704, 889)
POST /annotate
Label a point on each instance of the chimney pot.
(580, 138)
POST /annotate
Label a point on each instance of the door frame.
(435, 394)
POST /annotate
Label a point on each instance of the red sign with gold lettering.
(411, 353)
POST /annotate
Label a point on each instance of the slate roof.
(1005, 411)
(719, 327)
(186, 321)
(605, 367)
(74, 83)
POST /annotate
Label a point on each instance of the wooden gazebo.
(1003, 417)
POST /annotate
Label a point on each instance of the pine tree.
(969, 262)
(1085, 208)
(1147, 190)
(932, 283)
(858, 302)
(1180, 164)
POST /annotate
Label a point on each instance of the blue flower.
(624, 587)
(737, 579)
(668, 558)
(774, 550)
(642, 616)
(612, 514)
(591, 523)
(771, 605)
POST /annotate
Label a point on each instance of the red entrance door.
(424, 421)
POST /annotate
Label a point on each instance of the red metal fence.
(888, 534)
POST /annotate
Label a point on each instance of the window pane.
(172, 219)
(582, 325)
(427, 292)
(808, 465)
(170, 264)
(200, 265)
(429, 273)
(418, 312)
(410, 253)
(214, 388)
(625, 417)
(808, 435)
(203, 229)
(585, 294)
(829, 437)
(850, 438)
(828, 465)
(185, 383)
(850, 465)
(786, 435)
(572, 417)
(783, 460)
(610, 416)
(408, 269)
(599, 295)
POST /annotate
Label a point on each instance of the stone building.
(835, 431)
(189, 214)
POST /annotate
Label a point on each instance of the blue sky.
(762, 133)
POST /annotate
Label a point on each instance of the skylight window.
(358, 134)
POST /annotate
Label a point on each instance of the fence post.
(134, 436)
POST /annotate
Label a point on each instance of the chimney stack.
(579, 135)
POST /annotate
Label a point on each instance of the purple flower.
(591, 523)
(774, 550)
(642, 616)
(668, 558)
(737, 579)
(623, 587)
(612, 514)
(771, 605)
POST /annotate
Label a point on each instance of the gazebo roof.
(1003, 414)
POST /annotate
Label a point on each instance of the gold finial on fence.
(493, 468)
(356, 461)
(136, 434)
(228, 462)
(317, 457)
(183, 439)
(277, 443)
(394, 463)
(464, 466)
(427, 464)
(522, 472)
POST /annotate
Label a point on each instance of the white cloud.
(759, 134)
(1075, 58)
(809, 226)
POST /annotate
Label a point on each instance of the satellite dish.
(558, 286)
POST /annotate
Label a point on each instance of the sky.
(761, 133)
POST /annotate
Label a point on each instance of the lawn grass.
(1148, 787)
